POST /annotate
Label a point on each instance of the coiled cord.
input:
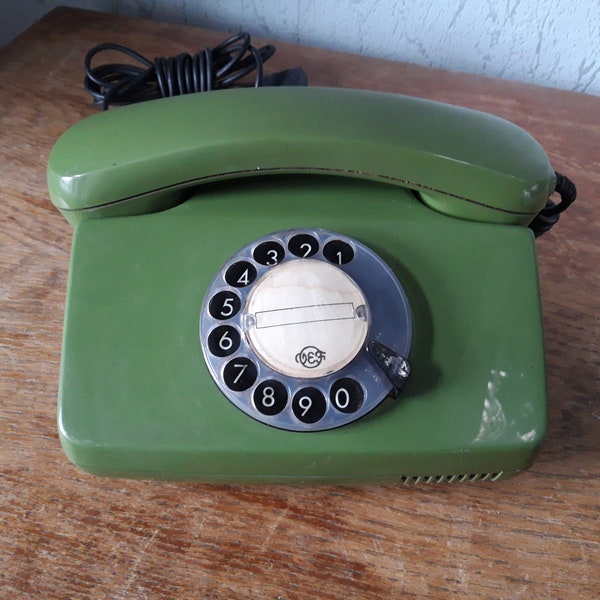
(549, 215)
(210, 69)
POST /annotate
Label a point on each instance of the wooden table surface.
(66, 534)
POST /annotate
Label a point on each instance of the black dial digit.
(303, 245)
(270, 397)
(309, 405)
(346, 395)
(338, 252)
(239, 374)
(224, 305)
(269, 253)
(240, 274)
(223, 340)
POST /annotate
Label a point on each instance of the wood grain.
(65, 534)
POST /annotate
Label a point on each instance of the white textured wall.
(549, 42)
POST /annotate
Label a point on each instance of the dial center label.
(306, 318)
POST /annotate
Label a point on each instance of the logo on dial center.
(310, 357)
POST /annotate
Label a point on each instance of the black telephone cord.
(549, 215)
(223, 66)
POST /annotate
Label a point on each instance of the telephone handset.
(333, 248)
(462, 162)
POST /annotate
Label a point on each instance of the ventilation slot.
(451, 478)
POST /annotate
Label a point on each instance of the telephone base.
(136, 398)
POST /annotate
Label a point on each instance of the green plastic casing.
(161, 194)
